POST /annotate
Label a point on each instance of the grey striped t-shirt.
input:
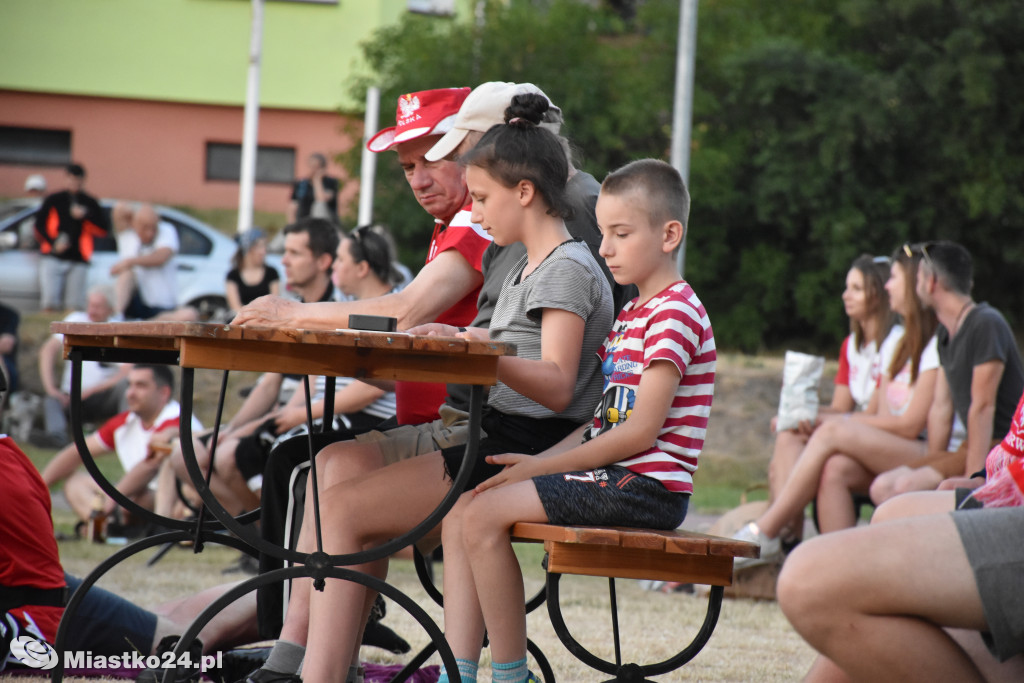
(568, 279)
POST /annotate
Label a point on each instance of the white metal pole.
(682, 111)
(368, 168)
(250, 131)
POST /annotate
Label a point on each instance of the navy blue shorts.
(138, 309)
(610, 496)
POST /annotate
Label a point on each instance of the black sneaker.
(183, 674)
(262, 675)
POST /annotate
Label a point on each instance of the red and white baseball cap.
(428, 112)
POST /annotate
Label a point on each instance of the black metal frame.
(631, 672)
(317, 565)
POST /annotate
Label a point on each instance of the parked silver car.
(204, 260)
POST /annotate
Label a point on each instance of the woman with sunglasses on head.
(845, 453)
(860, 365)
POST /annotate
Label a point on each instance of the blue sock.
(512, 672)
(467, 670)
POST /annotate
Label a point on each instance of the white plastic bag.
(798, 400)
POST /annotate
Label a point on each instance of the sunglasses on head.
(908, 249)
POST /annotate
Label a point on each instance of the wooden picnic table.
(333, 353)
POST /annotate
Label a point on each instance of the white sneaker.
(771, 548)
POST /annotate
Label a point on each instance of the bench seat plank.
(685, 556)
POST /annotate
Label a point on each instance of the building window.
(442, 8)
(34, 146)
(273, 164)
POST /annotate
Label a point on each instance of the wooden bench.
(617, 552)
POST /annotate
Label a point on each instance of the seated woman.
(250, 277)
(884, 436)
(867, 305)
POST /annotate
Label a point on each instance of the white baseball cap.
(485, 108)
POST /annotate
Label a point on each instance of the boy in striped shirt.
(633, 465)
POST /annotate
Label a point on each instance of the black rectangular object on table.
(372, 323)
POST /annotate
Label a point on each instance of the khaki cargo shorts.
(407, 441)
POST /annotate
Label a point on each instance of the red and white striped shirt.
(672, 326)
(125, 434)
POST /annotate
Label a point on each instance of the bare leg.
(80, 491)
(876, 450)
(841, 478)
(874, 599)
(359, 519)
(221, 490)
(904, 480)
(914, 504)
(463, 620)
(233, 625)
(789, 444)
(496, 572)
(124, 286)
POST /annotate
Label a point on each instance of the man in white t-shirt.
(138, 436)
(103, 384)
(147, 275)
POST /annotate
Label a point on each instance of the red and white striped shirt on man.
(672, 326)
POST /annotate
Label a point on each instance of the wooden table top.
(341, 353)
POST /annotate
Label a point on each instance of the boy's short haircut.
(665, 193)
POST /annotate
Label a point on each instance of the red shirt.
(418, 401)
(28, 549)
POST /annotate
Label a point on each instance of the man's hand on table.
(268, 311)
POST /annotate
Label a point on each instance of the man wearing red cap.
(445, 290)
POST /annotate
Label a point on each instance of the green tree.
(822, 129)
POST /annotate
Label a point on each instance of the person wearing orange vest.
(67, 224)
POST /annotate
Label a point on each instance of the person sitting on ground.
(981, 379)
(843, 455)
(250, 277)
(147, 272)
(860, 367)
(103, 384)
(658, 363)
(138, 436)
(874, 600)
(33, 593)
(555, 306)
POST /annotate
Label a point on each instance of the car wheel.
(211, 308)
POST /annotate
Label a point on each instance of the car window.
(27, 233)
(191, 242)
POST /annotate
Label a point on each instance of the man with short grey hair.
(103, 384)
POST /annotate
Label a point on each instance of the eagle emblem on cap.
(408, 105)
